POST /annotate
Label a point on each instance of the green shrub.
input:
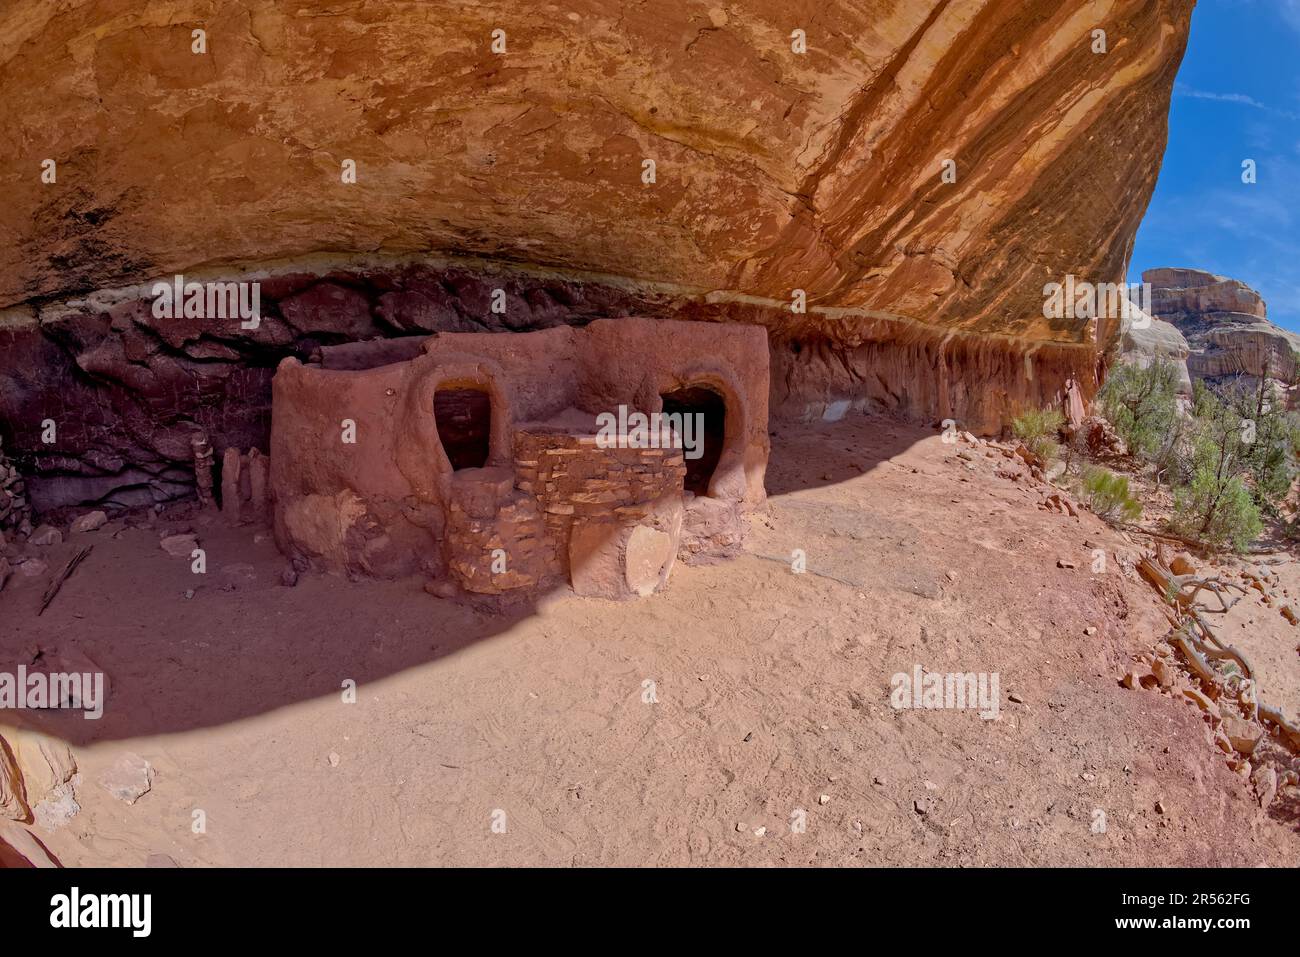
(1269, 441)
(1213, 500)
(1108, 495)
(1142, 405)
(1038, 429)
(1220, 513)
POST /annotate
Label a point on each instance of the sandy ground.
(771, 695)
(1256, 626)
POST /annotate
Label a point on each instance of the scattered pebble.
(33, 568)
(179, 546)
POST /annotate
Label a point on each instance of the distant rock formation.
(1225, 325)
(1145, 339)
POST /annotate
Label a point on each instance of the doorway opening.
(464, 420)
(709, 434)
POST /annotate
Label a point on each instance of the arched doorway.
(705, 435)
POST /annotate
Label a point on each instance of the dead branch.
(1194, 637)
(1167, 537)
(1215, 585)
(63, 576)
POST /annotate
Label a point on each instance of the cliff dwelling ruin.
(519, 434)
(481, 461)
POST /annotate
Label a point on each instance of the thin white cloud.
(1182, 89)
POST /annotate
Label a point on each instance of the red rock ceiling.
(774, 170)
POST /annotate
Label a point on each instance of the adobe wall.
(362, 485)
(634, 361)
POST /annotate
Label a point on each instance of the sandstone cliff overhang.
(774, 171)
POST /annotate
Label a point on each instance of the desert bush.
(1142, 405)
(1270, 440)
(1215, 512)
(1037, 429)
(1108, 495)
(1213, 503)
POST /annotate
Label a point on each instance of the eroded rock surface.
(1226, 326)
(1145, 340)
(774, 171)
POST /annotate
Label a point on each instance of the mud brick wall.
(517, 528)
(572, 478)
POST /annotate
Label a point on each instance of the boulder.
(33, 568)
(128, 779)
(90, 522)
(1265, 780)
(46, 535)
(1242, 734)
(46, 762)
(1204, 702)
(59, 807)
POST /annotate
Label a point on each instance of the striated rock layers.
(1225, 325)
(918, 170)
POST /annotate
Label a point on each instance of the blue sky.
(1237, 97)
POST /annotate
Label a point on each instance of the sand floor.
(666, 731)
